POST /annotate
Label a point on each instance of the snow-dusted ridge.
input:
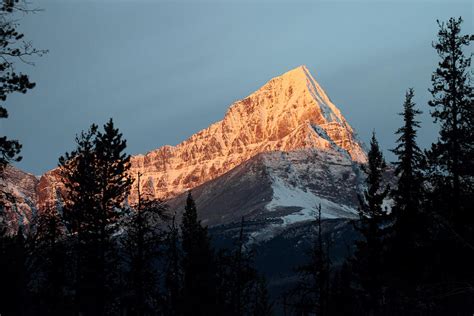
(290, 114)
(276, 117)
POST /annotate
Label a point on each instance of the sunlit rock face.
(18, 198)
(289, 112)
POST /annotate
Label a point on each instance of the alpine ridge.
(289, 113)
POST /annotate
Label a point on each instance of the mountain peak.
(298, 88)
(290, 112)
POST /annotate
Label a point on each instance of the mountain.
(18, 196)
(276, 190)
(289, 112)
(274, 156)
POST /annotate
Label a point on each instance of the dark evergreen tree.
(13, 48)
(173, 272)
(409, 190)
(452, 156)
(451, 174)
(368, 261)
(199, 290)
(96, 181)
(406, 245)
(142, 242)
(80, 212)
(14, 274)
(312, 292)
(113, 183)
(263, 306)
(50, 263)
(342, 299)
(237, 278)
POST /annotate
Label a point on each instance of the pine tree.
(142, 242)
(80, 212)
(452, 156)
(237, 277)
(96, 181)
(409, 235)
(408, 193)
(368, 261)
(113, 183)
(341, 291)
(312, 292)
(50, 259)
(199, 290)
(173, 272)
(13, 48)
(14, 274)
(451, 173)
(263, 305)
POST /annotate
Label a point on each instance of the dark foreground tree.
(50, 262)
(451, 173)
(96, 180)
(237, 278)
(452, 157)
(406, 245)
(263, 305)
(142, 247)
(368, 262)
(173, 279)
(311, 294)
(14, 274)
(13, 49)
(199, 290)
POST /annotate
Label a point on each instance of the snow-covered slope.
(280, 190)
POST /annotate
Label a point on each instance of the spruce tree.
(312, 291)
(173, 272)
(14, 274)
(408, 192)
(409, 234)
(237, 277)
(96, 179)
(199, 290)
(80, 212)
(13, 49)
(452, 156)
(451, 173)
(262, 306)
(51, 262)
(368, 261)
(142, 242)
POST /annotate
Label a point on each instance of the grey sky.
(164, 70)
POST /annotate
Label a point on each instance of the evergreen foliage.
(96, 181)
(13, 48)
(199, 288)
(142, 246)
(368, 264)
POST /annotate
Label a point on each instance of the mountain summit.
(289, 112)
(287, 141)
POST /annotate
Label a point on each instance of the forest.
(93, 253)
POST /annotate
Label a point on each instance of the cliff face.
(289, 112)
(18, 197)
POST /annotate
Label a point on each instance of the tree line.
(98, 254)
(418, 257)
